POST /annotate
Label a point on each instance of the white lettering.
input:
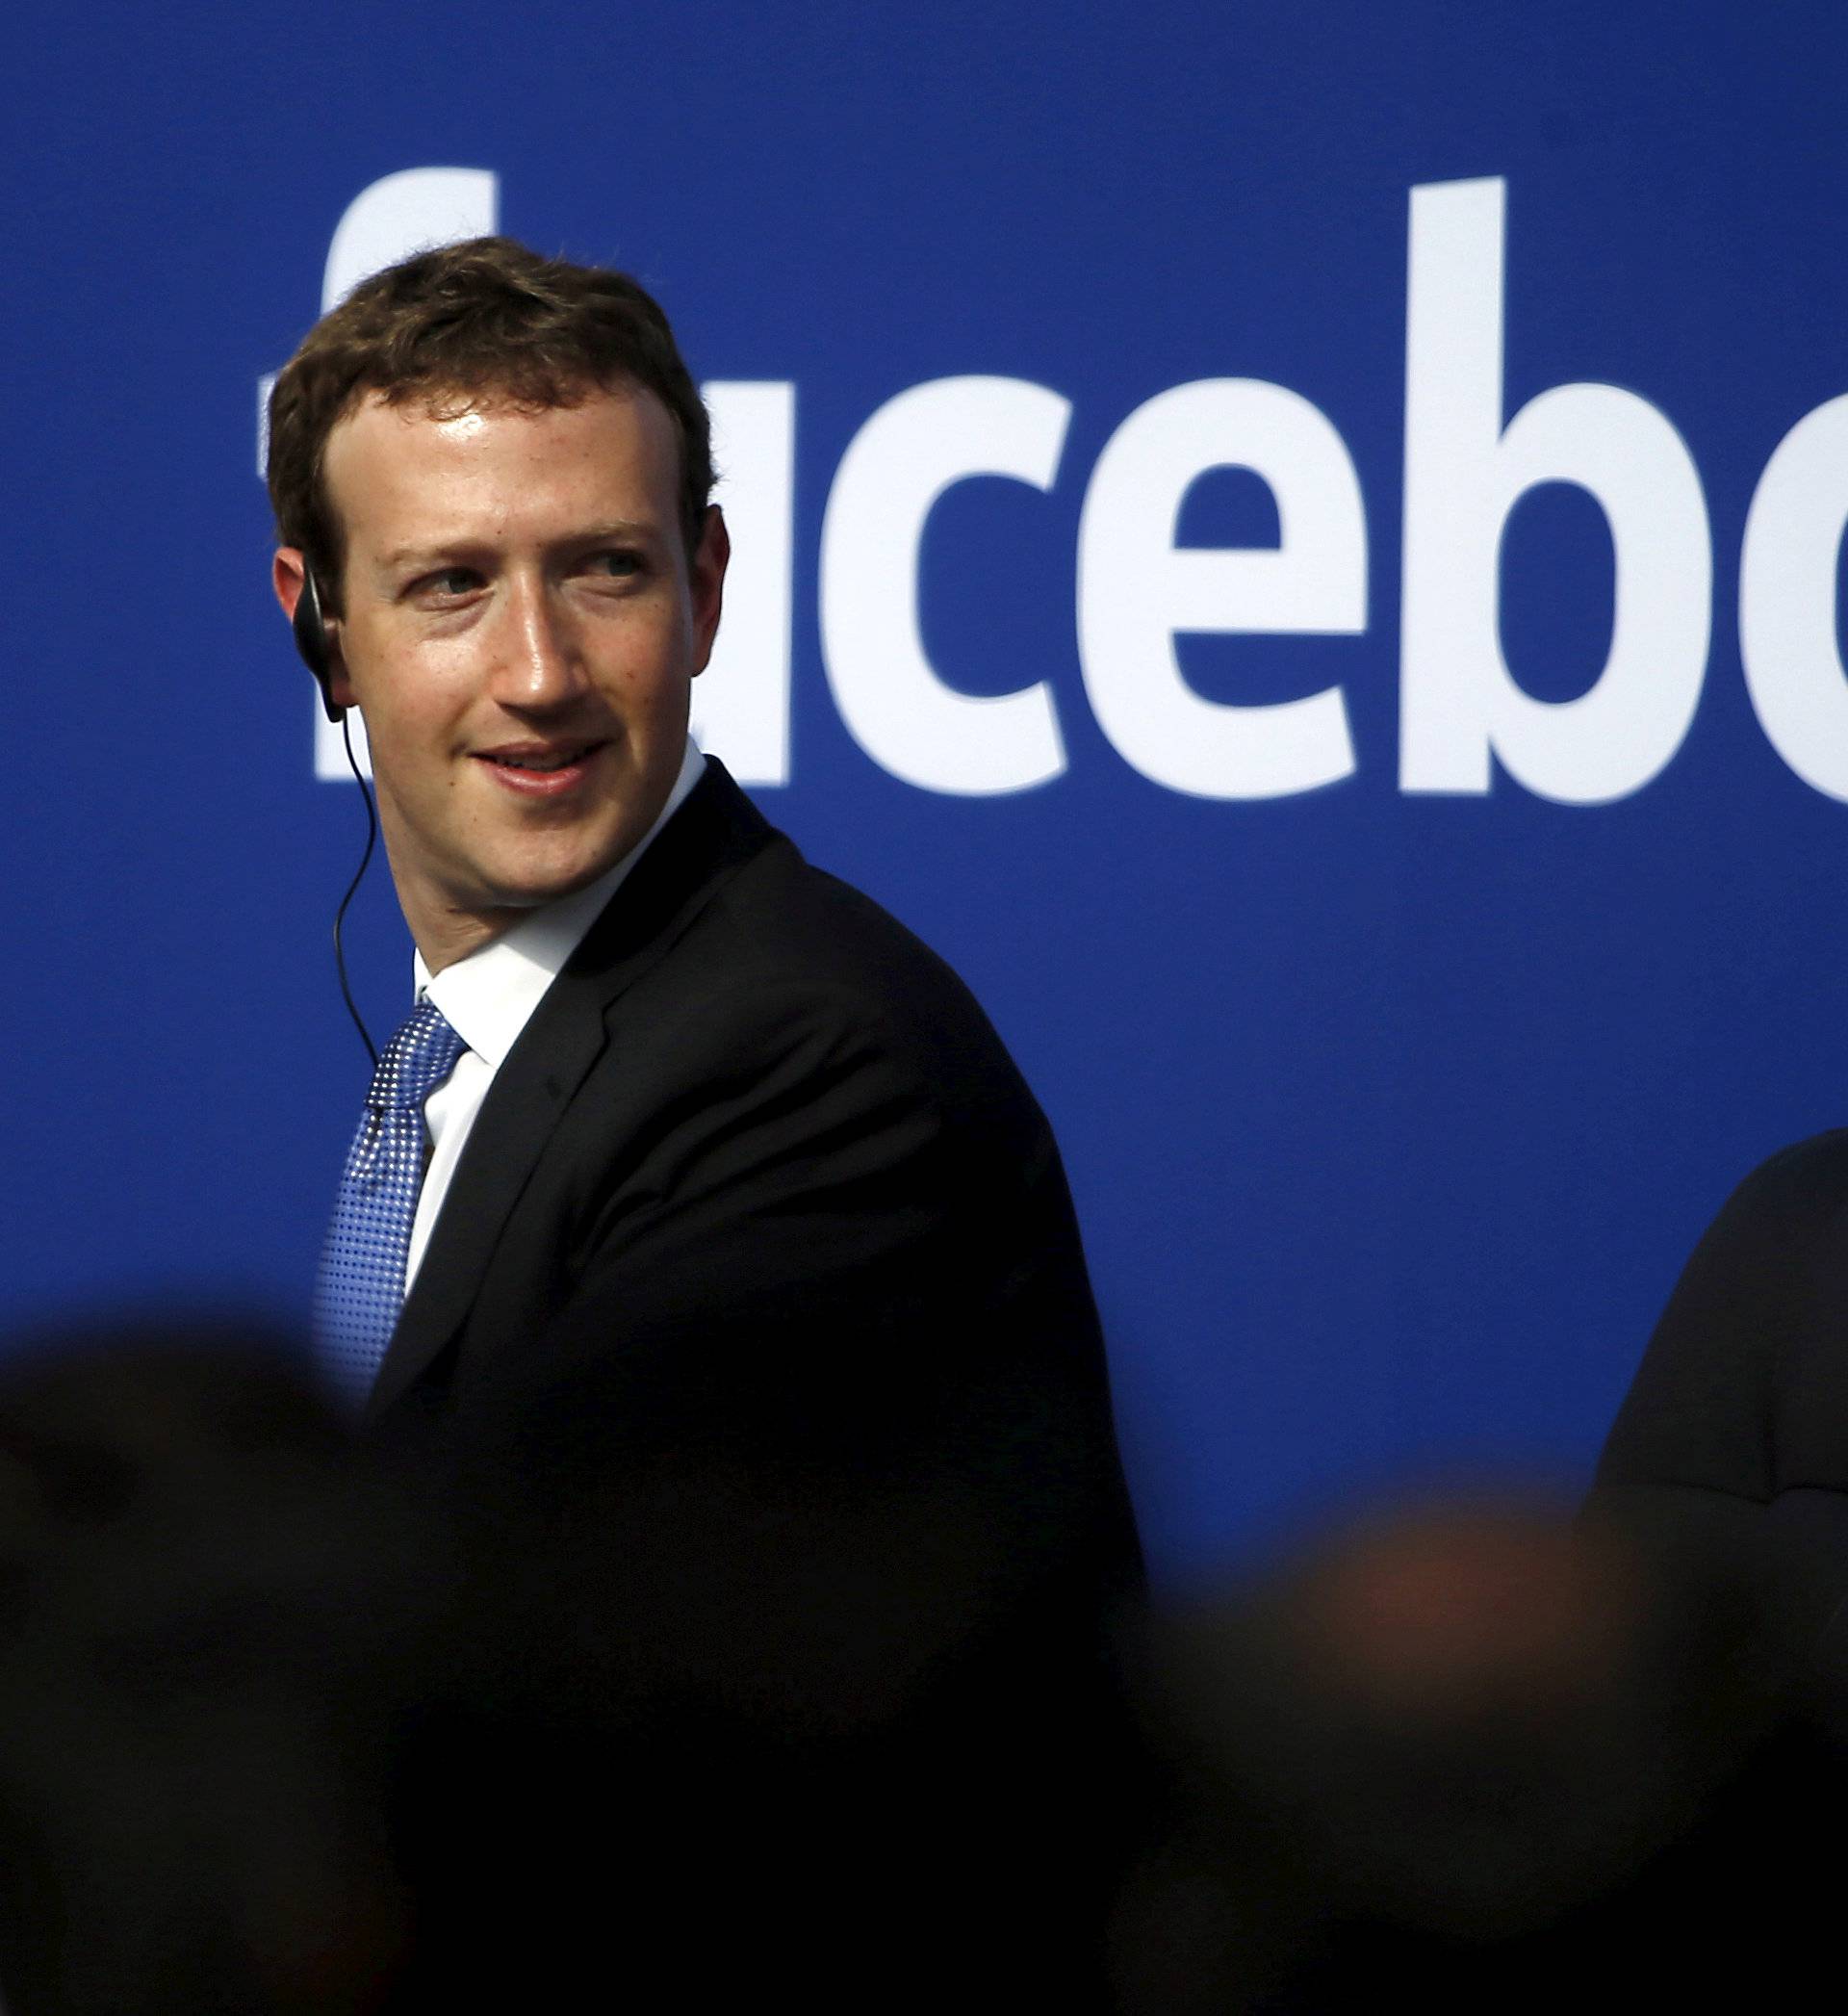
(1136, 588)
(405, 213)
(898, 709)
(741, 701)
(1788, 567)
(1458, 701)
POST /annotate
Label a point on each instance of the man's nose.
(537, 661)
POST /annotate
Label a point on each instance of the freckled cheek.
(649, 658)
(420, 755)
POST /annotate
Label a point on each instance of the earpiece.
(313, 642)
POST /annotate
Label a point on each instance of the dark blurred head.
(1444, 1747)
(198, 1605)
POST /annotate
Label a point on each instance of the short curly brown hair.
(486, 317)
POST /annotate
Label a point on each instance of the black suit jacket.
(760, 1174)
(1735, 1433)
(755, 1342)
(749, 1082)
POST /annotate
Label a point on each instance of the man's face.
(520, 627)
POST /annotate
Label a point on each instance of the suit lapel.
(706, 843)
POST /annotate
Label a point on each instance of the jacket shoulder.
(784, 938)
(1806, 1180)
(1744, 1386)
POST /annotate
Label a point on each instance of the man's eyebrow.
(419, 555)
(438, 551)
(615, 529)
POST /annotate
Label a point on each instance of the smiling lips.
(537, 769)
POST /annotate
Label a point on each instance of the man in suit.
(1733, 1439)
(746, 1315)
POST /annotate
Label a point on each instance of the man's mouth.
(552, 760)
(557, 763)
(539, 758)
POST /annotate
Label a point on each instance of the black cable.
(359, 874)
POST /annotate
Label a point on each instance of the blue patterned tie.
(361, 1269)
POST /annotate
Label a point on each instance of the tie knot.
(416, 1061)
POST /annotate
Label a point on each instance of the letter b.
(1463, 476)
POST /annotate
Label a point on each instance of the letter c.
(911, 450)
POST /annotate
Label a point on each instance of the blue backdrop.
(1400, 1041)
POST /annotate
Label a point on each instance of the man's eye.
(617, 564)
(448, 583)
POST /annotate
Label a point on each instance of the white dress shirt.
(488, 998)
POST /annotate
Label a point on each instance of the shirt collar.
(488, 998)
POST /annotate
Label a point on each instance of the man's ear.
(316, 634)
(706, 577)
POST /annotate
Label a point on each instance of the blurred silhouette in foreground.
(199, 1684)
(698, 1676)
(1485, 1757)
(695, 1674)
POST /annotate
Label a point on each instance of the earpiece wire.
(359, 875)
